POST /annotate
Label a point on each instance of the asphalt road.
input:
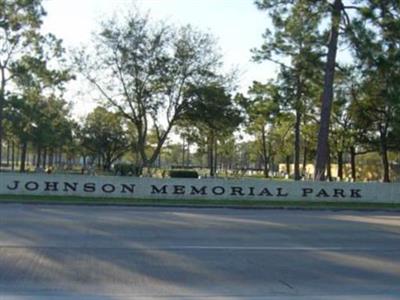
(106, 253)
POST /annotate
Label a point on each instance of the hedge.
(124, 169)
(183, 174)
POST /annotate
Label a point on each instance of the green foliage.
(20, 41)
(212, 111)
(262, 106)
(377, 52)
(212, 107)
(42, 121)
(183, 174)
(295, 44)
(31, 79)
(104, 135)
(149, 66)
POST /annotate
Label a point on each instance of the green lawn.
(197, 203)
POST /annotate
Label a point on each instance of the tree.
(212, 111)
(21, 117)
(322, 156)
(281, 139)
(143, 69)
(41, 121)
(261, 107)
(295, 44)
(377, 118)
(343, 131)
(53, 129)
(377, 49)
(227, 153)
(42, 87)
(20, 37)
(308, 130)
(380, 17)
(189, 136)
(104, 135)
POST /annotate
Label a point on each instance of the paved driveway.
(78, 252)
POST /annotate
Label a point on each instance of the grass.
(197, 203)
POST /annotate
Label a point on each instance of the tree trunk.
(265, 153)
(18, 155)
(187, 154)
(183, 152)
(353, 163)
(385, 160)
(297, 125)
(329, 166)
(327, 96)
(23, 156)
(107, 162)
(272, 164)
(297, 175)
(2, 102)
(8, 153)
(39, 155)
(59, 157)
(288, 165)
(305, 161)
(211, 155)
(142, 146)
(138, 162)
(44, 158)
(51, 158)
(215, 155)
(12, 156)
(340, 165)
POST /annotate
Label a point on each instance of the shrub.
(183, 174)
(124, 169)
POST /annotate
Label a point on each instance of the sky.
(237, 25)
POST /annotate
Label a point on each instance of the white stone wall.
(151, 188)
